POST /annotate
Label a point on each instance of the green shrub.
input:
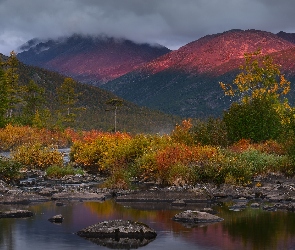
(118, 179)
(147, 167)
(181, 175)
(257, 120)
(239, 168)
(9, 170)
(236, 171)
(260, 162)
(56, 171)
(211, 132)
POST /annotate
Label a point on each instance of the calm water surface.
(248, 229)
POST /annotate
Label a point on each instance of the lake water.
(248, 229)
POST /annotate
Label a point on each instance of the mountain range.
(183, 82)
(89, 59)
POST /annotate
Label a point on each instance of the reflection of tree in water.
(249, 229)
(6, 233)
(260, 229)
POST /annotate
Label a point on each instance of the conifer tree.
(34, 99)
(10, 92)
(115, 103)
(67, 98)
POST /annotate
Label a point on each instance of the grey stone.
(56, 219)
(180, 203)
(118, 229)
(78, 196)
(16, 214)
(255, 205)
(196, 217)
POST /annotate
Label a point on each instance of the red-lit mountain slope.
(211, 51)
(186, 81)
(94, 60)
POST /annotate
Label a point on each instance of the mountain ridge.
(94, 60)
(186, 82)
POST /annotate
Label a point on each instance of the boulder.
(238, 207)
(56, 219)
(119, 234)
(118, 229)
(16, 214)
(121, 243)
(196, 217)
(255, 205)
(179, 203)
(270, 208)
(78, 196)
(59, 204)
(208, 210)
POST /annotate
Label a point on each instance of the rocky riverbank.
(271, 192)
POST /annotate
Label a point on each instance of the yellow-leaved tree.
(261, 110)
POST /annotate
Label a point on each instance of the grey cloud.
(169, 22)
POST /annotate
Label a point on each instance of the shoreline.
(272, 192)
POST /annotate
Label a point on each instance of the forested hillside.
(91, 108)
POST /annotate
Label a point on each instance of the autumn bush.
(179, 164)
(182, 133)
(175, 159)
(176, 163)
(269, 147)
(97, 154)
(183, 158)
(37, 156)
(14, 136)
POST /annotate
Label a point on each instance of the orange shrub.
(182, 134)
(241, 146)
(180, 157)
(269, 147)
(14, 136)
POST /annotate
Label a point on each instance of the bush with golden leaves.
(13, 136)
(37, 156)
(98, 154)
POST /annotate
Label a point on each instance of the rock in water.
(196, 217)
(16, 214)
(119, 234)
(56, 219)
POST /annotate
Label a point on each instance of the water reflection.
(260, 229)
(248, 229)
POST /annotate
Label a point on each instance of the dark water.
(248, 229)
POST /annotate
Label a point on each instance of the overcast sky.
(172, 23)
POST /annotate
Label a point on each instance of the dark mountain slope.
(130, 117)
(186, 82)
(287, 36)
